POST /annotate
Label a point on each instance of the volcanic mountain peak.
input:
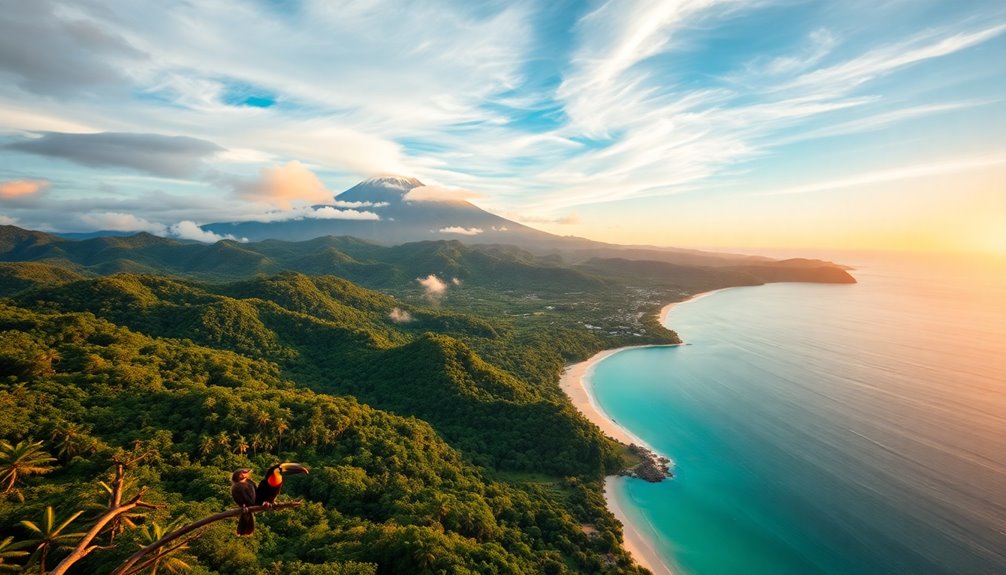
(391, 181)
(389, 189)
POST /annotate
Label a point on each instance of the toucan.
(272, 483)
(243, 492)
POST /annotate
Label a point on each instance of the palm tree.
(71, 440)
(206, 445)
(24, 458)
(262, 419)
(49, 537)
(280, 426)
(10, 551)
(172, 564)
(223, 440)
(241, 446)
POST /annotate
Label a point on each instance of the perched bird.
(243, 492)
(272, 483)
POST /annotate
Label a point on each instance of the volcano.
(405, 214)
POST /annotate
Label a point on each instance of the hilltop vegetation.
(429, 414)
(103, 366)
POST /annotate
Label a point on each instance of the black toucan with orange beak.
(243, 492)
(272, 483)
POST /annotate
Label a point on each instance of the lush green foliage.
(206, 378)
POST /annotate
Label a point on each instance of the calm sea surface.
(855, 429)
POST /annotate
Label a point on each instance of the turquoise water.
(825, 428)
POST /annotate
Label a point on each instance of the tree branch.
(160, 555)
(84, 547)
(128, 563)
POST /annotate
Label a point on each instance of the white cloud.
(187, 230)
(886, 59)
(822, 41)
(880, 120)
(456, 281)
(455, 95)
(433, 286)
(461, 230)
(344, 204)
(7, 220)
(399, 315)
(330, 213)
(438, 194)
(121, 222)
(603, 87)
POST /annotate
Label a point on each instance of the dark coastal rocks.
(653, 468)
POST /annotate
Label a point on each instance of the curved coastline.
(575, 383)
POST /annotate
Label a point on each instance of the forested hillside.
(201, 379)
(418, 382)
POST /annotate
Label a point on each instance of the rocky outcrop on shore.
(653, 468)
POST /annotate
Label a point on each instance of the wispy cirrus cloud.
(899, 173)
(539, 109)
(662, 137)
(885, 59)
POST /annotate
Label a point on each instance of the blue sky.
(704, 123)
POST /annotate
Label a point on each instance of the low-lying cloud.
(187, 230)
(330, 213)
(461, 230)
(433, 286)
(346, 204)
(121, 222)
(20, 188)
(399, 315)
(438, 194)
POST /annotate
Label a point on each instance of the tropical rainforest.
(427, 410)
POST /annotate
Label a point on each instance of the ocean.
(832, 429)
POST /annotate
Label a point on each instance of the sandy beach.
(575, 382)
(634, 542)
(662, 316)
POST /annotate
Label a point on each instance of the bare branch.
(84, 547)
(128, 563)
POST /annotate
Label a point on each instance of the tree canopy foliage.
(416, 444)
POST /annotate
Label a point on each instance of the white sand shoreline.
(575, 382)
(638, 545)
